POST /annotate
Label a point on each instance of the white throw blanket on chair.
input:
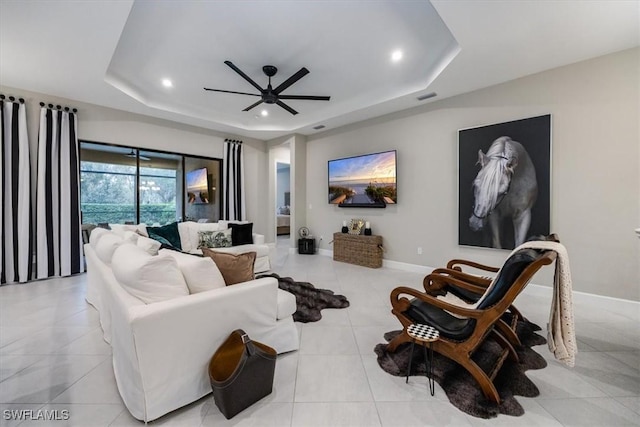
(561, 332)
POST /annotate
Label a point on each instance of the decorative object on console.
(355, 226)
(511, 185)
(309, 299)
(215, 239)
(367, 228)
(363, 181)
(241, 234)
(345, 229)
(234, 268)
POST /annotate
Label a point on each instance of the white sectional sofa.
(161, 335)
(189, 239)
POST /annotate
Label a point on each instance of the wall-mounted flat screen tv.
(363, 181)
(197, 186)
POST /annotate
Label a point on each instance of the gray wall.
(595, 179)
(101, 124)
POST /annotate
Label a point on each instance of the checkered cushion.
(423, 332)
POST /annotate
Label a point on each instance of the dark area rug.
(460, 387)
(309, 299)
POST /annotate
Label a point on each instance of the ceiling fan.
(270, 95)
(132, 154)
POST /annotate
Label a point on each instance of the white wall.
(101, 124)
(595, 171)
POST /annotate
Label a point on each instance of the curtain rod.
(233, 141)
(12, 99)
(75, 110)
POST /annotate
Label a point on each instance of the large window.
(125, 185)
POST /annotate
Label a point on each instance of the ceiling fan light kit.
(271, 95)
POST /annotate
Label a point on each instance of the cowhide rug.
(309, 299)
(460, 387)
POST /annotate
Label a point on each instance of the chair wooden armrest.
(434, 284)
(453, 265)
(478, 282)
(402, 303)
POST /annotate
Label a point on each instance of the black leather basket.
(241, 373)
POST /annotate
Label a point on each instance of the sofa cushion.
(166, 233)
(200, 273)
(107, 245)
(215, 239)
(149, 278)
(150, 246)
(121, 229)
(286, 304)
(224, 224)
(260, 250)
(130, 236)
(241, 234)
(95, 235)
(189, 233)
(234, 268)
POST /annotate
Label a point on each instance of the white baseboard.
(325, 252)
(624, 307)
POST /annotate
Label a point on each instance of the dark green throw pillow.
(166, 234)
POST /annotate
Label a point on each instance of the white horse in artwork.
(505, 188)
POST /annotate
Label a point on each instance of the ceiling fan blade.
(291, 80)
(286, 107)
(231, 91)
(244, 76)
(253, 105)
(307, 97)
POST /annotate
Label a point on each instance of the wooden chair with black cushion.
(473, 286)
(461, 337)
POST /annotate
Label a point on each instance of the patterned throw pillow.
(214, 239)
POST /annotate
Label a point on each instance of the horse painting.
(505, 189)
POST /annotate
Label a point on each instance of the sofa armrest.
(258, 239)
(175, 339)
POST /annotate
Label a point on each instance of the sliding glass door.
(122, 185)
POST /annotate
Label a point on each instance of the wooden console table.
(358, 249)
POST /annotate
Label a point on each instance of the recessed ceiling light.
(167, 83)
(396, 55)
(264, 113)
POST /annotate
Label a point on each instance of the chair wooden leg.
(486, 385)
(504, 343)
(508, 333)
(400, 339)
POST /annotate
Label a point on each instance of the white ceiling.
(115, 53)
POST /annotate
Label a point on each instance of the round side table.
(424, 335)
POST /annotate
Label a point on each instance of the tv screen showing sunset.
(362, 180)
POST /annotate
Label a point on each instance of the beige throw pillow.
(234, 268)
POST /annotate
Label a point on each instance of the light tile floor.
(52, 356)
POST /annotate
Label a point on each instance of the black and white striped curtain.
(233, 173)
(15, 183)
(58, 233)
